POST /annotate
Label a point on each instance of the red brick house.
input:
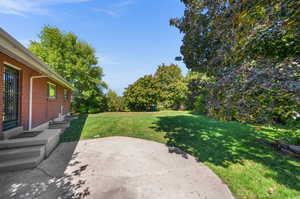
(31, 93)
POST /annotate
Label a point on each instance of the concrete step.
(19, 164)
(59, 126)
(22, 142)
(21, 153)
(41, 139)
(26, 153)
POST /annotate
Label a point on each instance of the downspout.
(30, 99)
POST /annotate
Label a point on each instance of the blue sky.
(131, 37)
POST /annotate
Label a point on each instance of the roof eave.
(11, 47)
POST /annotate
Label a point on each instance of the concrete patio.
(115, 168)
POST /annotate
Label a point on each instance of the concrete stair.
(19, 164)
(59, 125)
(26, 153)
(23, 142)
(21, 158)
(20, 153)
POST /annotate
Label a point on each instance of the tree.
(143, 93)
(172, 85)
(251, 49)
(115, 103)
(221, 35)
(74, 60)
(198, 48)
(197, 84)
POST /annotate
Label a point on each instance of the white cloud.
(122, 4)
(115, 8)
(109, 12)
(24, 7)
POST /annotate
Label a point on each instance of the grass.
(237, 153)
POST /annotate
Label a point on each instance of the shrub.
(197, 85)
(115, 103)
(264, 91)
(200, 106)
(142, 94)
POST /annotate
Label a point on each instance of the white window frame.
(52, 85)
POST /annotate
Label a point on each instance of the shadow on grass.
(224, 143)
(73, 133)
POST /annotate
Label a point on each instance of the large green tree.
(251, 48)
(143, 93)
(75, 60)
(219, 35)
(172, 85)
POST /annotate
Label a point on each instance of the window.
(65, 94)
(51, 91)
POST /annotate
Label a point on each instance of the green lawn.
(239, 154)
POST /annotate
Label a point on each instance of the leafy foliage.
(251, 48)
(197, 84)
(172, 85)
(258, 92)
(75, 60)
(223, 34)
(115, 103)
(166, 89)
(143, 93)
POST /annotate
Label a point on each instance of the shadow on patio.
(50, 177)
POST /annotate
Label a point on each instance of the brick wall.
(44, 109)
(1, 98)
